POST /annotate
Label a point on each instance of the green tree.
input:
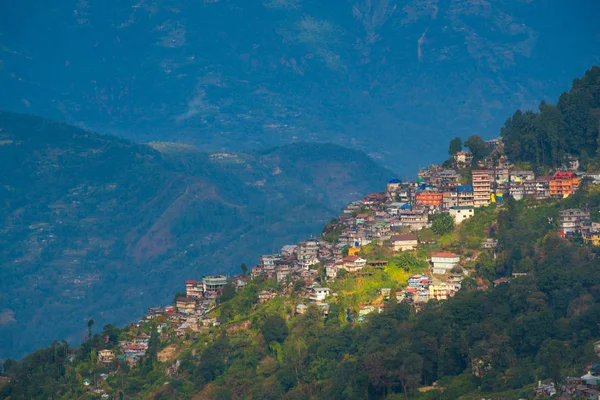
(443, 224)
(7, 365)
(478, 148)
(299, 285)
(244, 269)
(406, 261)
(455, 146)
(274, 328)
(228, 293)
(90, 324)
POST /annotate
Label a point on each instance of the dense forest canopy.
(571, 127)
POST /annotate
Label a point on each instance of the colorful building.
(591, 237)
(563, 184)
(481, 188)
(429, 198)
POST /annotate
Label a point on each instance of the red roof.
(399, 238)
(562, 175)
(444, 254)
(411, 290)
(351, 258)
(362, 216)
(135, 347)
(190, 282)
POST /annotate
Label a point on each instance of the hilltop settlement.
(416, 243)
(478, 279)
(393, 222)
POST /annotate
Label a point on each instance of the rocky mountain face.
(393, 78)
(93, 226)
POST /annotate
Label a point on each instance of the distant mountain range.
(93, 226)
(395, 79)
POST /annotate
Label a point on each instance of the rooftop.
(397, 238)
(444, 254)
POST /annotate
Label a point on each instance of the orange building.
(430, 198)
(563, 184)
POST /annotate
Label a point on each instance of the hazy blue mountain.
(394, 78)
(93, 226)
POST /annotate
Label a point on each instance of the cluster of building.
(379, 217)
(130, 351)
(422, 288)
(576, 222)
(586, 386)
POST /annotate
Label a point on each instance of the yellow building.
(440, 291)
(105, 356)
(353, 250)
(186, 304)
(591, 237)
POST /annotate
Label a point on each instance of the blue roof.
(394, 180)
(406, 207)
(465, 188)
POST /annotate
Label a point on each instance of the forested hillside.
(92, 226)
(572, 126)
(492, 343)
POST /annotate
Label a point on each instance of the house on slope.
(404, 242)
(444, 261)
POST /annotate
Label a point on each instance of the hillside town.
(390, 221)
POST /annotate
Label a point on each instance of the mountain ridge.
(86, 214)
(271, 72)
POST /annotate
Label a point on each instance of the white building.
(404, 242)
(319, 294)
(444, 261)
(460, 213)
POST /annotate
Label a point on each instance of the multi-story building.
(462, 213)
(307, 251)
(481, 188)
(440, 291)
(463, 158)
(572, 220)
(563, 184)
(213, 282)
(193, 288)
(318, 294)
(591, 236)
(516, 191)
(416, 219)
(542, 187)
(447, 179)
(449, 199)
(106, 356)
(404, 242)
(522, 176)
(269, 260)
(444, 261)
(393, 185)
(465, 196)
(429, 198)
(186, 305)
